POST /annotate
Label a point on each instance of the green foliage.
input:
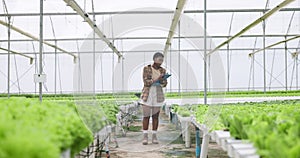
(233, 94)
(133, 128)
(110, 109)
(29, 128)
(273, 127)
(97, 115)
(184, 110)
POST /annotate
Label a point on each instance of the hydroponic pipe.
(177, 14)
(36, 38)
(21, 54)
(254, 23)
(92, 24)
(275, 44)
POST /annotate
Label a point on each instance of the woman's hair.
(158, 54)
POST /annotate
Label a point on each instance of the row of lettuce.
(234, 94)
(273, 127)
(136, 95)
(30, 129)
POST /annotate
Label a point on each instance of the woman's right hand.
(159, 78)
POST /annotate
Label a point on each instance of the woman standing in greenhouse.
(152, 97)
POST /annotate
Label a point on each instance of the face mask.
(159, 60)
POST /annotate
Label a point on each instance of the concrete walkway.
(170, 143)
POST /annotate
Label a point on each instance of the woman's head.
(158, 58)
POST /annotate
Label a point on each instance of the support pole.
(35, 68)
(41, 50)
(113, 72)
(228, 59)
(55, 57)
(8, 58)
(205, 57)
(272, 70)
(285, 48)
(228, 68)
(179, 72)
(208, 59)
(264, 54)
(94, 52)
(123, 75)
(55, 68)
(94, 66)
(296, 59)
(285, 65)
(253, 76)
(171, 53)
(198, 142)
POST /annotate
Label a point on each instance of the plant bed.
(272, 127)
(29, 128)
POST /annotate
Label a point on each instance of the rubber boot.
(154, 139)
(145, 139)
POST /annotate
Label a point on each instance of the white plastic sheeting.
(139, 43)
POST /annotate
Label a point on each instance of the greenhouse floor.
(170, 144)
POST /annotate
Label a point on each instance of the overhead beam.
(275, 44)
(176, 17)
(143, 38)
(151, 51)
(254, 23)
(92, 24)
(155, 12)
(21, 54)
(36, 38)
